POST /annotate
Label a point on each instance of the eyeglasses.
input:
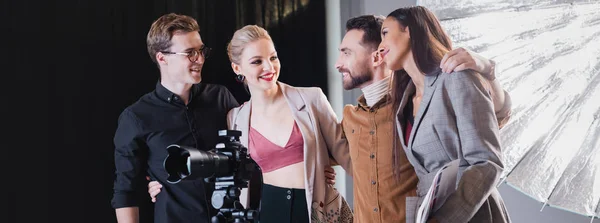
(194, 54)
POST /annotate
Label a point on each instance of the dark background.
(71, 67)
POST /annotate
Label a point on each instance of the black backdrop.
(70, 68)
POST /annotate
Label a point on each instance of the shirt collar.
(165, 94)
(362, 102)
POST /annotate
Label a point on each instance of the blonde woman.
(290, 132)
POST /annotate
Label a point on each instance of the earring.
(240, 78)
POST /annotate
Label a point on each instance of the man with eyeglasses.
(181, 110)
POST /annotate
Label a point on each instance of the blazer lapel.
(400, 112)
(424, 105)
(242, 122)
(304, 122)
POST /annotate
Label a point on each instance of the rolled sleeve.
(129, 161)
(230, 101)
(480, 148)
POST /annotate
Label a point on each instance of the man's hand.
(463, 59)
(329, 175)
(153, 189)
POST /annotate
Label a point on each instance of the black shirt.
(145, 129)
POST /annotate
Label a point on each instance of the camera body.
(228, 166)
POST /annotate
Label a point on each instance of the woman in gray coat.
(442, 117)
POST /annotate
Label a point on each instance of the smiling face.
(354, 61)
(395, 44)
(178, 68)
(259, 64)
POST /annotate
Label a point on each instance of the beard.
(355, 80)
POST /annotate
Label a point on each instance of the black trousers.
(283, 205)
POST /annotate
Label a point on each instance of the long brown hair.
(429, 43)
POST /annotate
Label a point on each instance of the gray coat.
(456, 120)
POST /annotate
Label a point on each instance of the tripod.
(225, 198)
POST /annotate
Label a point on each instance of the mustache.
(342, 70)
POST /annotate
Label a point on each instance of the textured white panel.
(548, 56)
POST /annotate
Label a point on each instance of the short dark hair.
(163, 29)
(370, 25)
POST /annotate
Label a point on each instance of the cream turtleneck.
(376, 91)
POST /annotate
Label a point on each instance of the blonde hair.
(163, 29)
(241, 38)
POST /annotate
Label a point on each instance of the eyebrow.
(193, 48)
(345, 49)
(258, 57)
(254, 57)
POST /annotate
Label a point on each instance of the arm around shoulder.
(504, 113)
(333, 133)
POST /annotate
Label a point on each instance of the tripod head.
(228, 166)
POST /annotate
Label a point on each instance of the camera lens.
(187, 162)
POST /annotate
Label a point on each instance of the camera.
(228, 166)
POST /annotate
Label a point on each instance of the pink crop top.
(270, 156)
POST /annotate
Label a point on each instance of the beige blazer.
(323, 136)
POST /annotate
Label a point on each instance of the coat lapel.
(424, 106)
(243, 124)
(400, 112)
(304, 122)
(428, 94)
